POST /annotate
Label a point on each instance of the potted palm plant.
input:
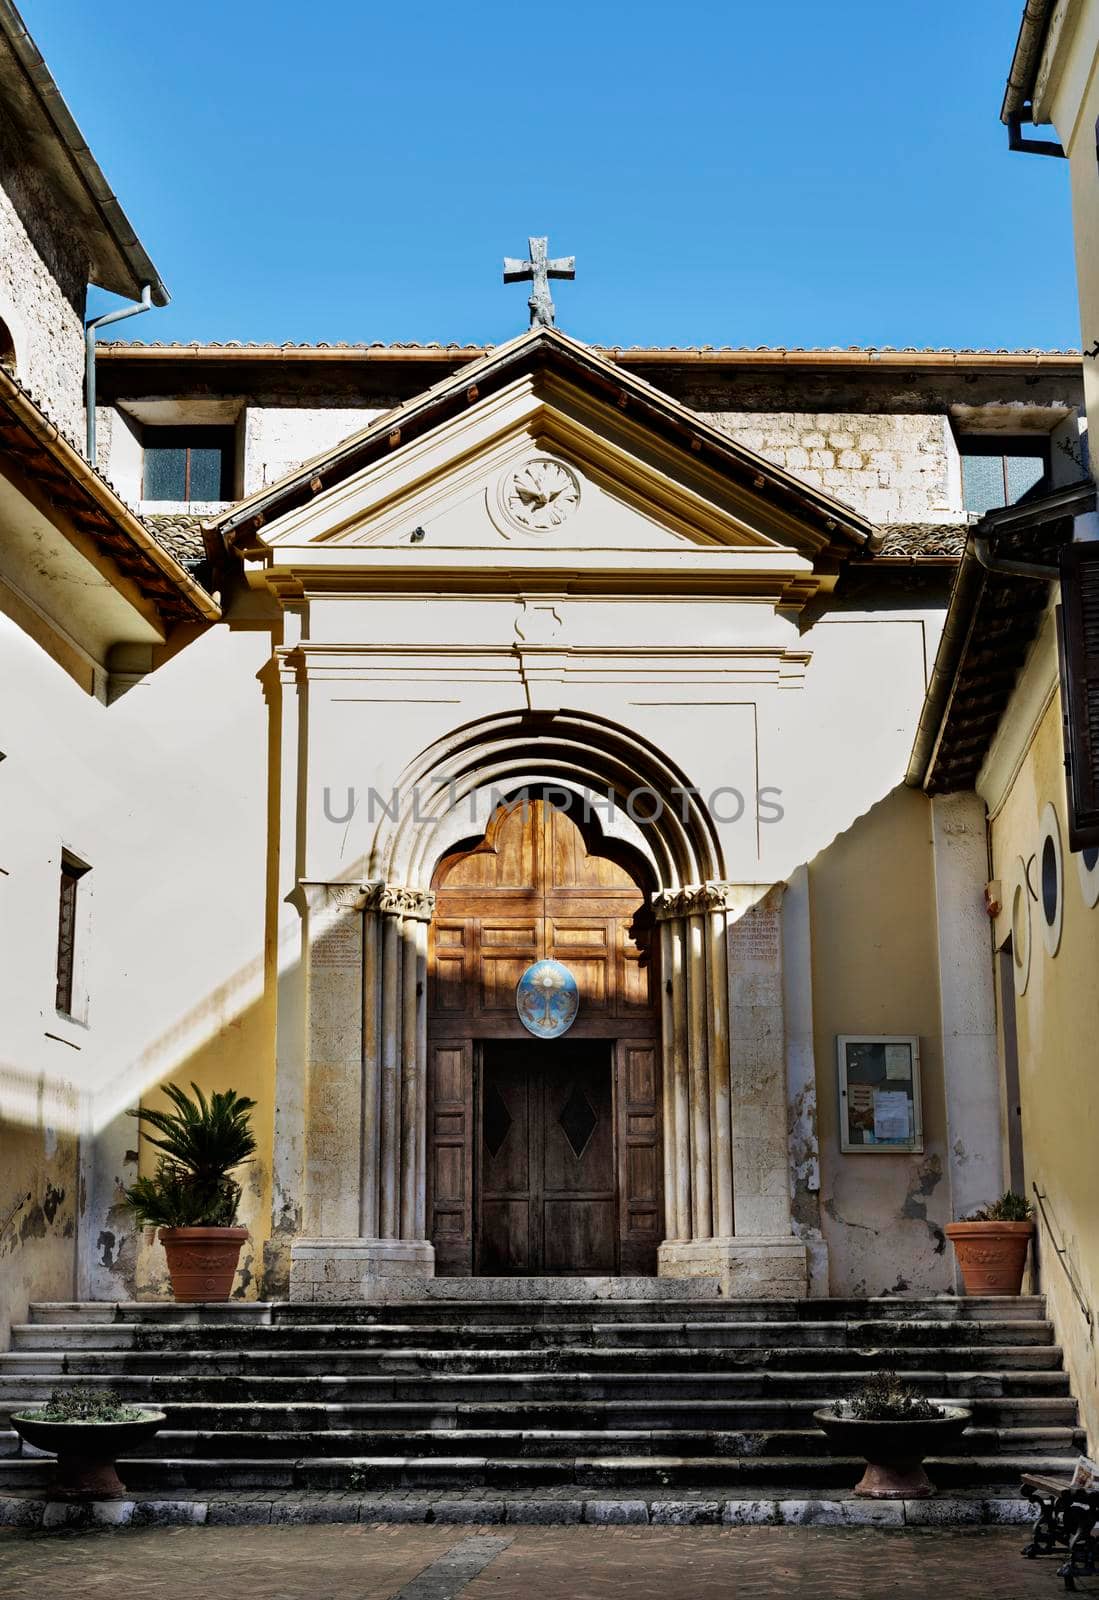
(87, 1429)
(892, 1428)
(191, 1197)
(991, 1245)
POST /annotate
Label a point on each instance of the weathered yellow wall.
(240, 1056)
(875, 970)
(1058, 1041)
(39, 1175)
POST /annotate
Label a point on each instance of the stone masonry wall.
(900, 468)
(43, 279)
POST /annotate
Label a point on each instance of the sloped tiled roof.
(178, 532)
(434, 348)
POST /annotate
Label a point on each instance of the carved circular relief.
(539, 495)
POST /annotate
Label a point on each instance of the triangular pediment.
(541, 453)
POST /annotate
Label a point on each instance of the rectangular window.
(1001, 471)
(188, 464)
(71, 873)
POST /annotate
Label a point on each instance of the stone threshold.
(484, 1509)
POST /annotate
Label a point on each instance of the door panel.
(547, 1189)
(640, 1154)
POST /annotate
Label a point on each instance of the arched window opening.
(7, 349)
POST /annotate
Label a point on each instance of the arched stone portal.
(714, 1092)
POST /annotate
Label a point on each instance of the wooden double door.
(547, 1186)
(544, 1157)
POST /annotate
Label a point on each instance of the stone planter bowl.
(202, 1262)
(991, 1255)
(87, 1451)
(893, 1451)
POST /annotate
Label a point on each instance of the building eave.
(118, 261)
(991, 619)
(39, 450)
(1025, 60)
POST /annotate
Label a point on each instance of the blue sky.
(810, 173)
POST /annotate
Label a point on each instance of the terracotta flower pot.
(893, 1451)
(992, 1255)
(202, 1262)
(87, 1451)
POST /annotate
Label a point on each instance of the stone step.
(570, 1358)
(567, 1504)
(764, 1365)
(807, 1475)
(21, 1385)
(507, 1303)
(465, 1337)
(730, 1416)
(551, 1443)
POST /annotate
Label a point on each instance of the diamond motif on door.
(577, 1120)
(496, 1121)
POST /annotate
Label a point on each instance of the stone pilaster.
(372, 976)
(726, 1161)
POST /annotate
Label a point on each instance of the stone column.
(967, 999)
(364, 1210)
(726, 1149)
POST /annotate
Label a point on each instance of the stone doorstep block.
(683, 1513)
(612, 1512)
(543, 1513)
(19, 1513)
(381, 1510)
(943, 1511)
(168, 1513)
(318, 1511)
(469, 1511)
(750, 1513)
(842, 1513)
(238, 1513)
(1015, 1513)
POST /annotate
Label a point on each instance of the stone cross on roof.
(538, 271)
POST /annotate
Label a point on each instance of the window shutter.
(1078, 631)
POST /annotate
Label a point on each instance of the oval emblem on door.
(547, 999)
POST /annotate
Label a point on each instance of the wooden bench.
(1067, 1518)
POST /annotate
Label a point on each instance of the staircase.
(618, 1396)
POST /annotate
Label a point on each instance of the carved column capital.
(392, 900)
(694, 899)
(314, 895)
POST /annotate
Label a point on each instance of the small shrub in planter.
(191, 1196)
(87, 1429)
(991, 1245)
(892, 1428)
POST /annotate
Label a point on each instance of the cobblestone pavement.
(416, 1562)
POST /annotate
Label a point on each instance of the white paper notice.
(890, 1114)
(898, 1061)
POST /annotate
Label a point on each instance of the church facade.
(360, 688)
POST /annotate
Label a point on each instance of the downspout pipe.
(144, 304)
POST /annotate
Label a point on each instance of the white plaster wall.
(279, 438)
(825, 743)
(163, 794)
